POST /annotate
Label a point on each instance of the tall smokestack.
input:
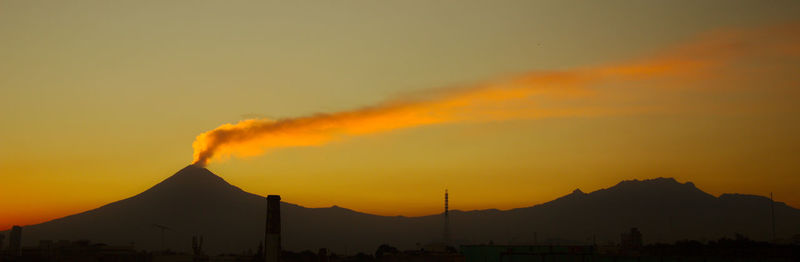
(15, 241)
(446, 235)
(272, 239)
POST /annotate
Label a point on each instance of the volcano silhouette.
(191, 202)
(195, 201)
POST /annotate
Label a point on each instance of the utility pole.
(163, 228)
(772, 206)
(446, 233)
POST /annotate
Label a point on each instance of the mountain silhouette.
(195, 201)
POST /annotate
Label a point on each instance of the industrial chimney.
(272, 239)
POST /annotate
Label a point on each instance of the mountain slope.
(195, 201)
(663, 209)
(189, 203)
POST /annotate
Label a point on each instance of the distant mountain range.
(195, 201)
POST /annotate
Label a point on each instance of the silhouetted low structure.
(15, 241)
(725, 249)
(631, 242)
(498, 253)
(82, 250)
(322, 255)
(420, 256)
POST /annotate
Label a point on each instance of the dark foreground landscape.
(195, 215)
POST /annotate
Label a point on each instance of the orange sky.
(504, 104)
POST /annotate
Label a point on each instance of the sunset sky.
(504, 103)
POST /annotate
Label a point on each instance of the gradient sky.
(100, 100)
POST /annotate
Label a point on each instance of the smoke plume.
(532, 95)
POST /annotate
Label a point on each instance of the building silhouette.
(631, 240)
(15, 241)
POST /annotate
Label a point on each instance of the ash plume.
(576, 92)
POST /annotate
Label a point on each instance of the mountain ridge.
(195, 201)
